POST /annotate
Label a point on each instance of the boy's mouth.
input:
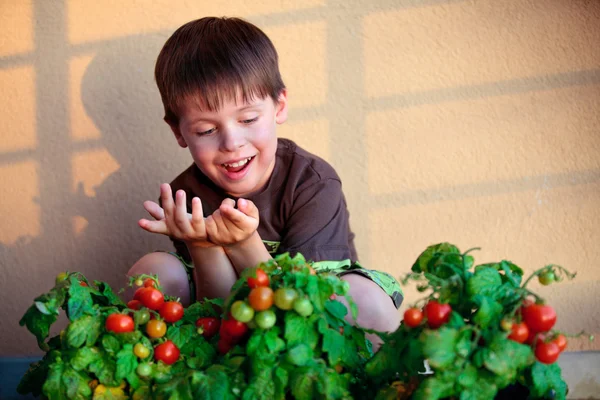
(238, 166)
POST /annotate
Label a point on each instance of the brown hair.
(210, 59)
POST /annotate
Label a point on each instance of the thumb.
(247, 207)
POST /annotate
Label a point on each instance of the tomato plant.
(261, 298)
(232, 330)
(284, 298)
(561, 342)
(156, 328)
(519, 332)
(141, 317)
(437, 314)
(166, 352)
(137, 295)
(241, 311)
(60, 277)
(303, 306)
(223, 346)
(209, 326)
(141, 351)
(262, 279)
(539, 317)
(119, 323)
(144, 370)
(134, 304)
(413, 317)
(546, 278)
(547, 352)
(171, 311)
(152, 298)
(265, 319)
(149, 282)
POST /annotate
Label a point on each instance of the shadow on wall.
(119, 95)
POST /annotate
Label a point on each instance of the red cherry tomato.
(561, 342)
(149, 282)
(519, 332)
(134, 304)
(152, 298)
(547, 352)
(413, 317)
(262, 279)
(223, 346)
(232, 330)
(166, 352)
(210, 326)
(261, 298)
(171, 311)
(437, 314)
(119, 323)
(539, 317)
(83, 284)
(138, 293)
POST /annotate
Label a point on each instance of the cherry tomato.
(141, 351)
(539, 317)
(144, 370)
(138, 293)
(241, 311)
(262, 279)
(303, 306)
(139, 282)
(261, 298)
(284, 298)
(141, 316)
(119, 323)
(437, 314)
(413, 317)
(506, 324)
(60, 277)
(547, 352)
(546, 278)
(166, 352)
(149, 282)
(210, 326)
(134, 304)
(561, 342)
(232, 330)
(171, 311)
(265, 319)
(84, 284)
(156, 328)
(519, 332)
(152, 298)
(223, 346)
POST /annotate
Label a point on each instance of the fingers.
(197, 213)
(154, 226)
(154, 210)
(228, 202)
(248, 208)
(181, 216)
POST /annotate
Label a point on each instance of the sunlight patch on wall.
(92, 20)
(20, 211)
(16, 27)
(445, 45)
(79, 224)
(17, 114)
(91, 169)
(500, 138)
(304, 72)
(82, 126)
(312, 136)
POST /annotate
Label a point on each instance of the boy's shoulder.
(296, 161)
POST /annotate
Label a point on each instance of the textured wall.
(474, 122)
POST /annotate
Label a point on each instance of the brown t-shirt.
(301, 209)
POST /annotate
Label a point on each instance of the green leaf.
(76, 384)
(84, 357)
(484, 282)
(111, 344)
(337, 309)
(260, 387)
(428, 258)
(104, 368)
(333, 385)
(303, 383)
(180, 335)
(435, 387)
(203, 353)
(204, 308)
(483, 388)
(53, 388)
(109, 297)
(281, 379)
(38, 324)
(489, 311)
(334, 345)
(300, 354)
(126, 362)
(506, 357)
(80, 300)
(544, 378)
(34, 378)
(468, 377)
(464, 343)
(438, 346)
(77, 331)
(300, 330)
(210, 385)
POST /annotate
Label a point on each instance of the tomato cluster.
(148, 307)
(257, 310)
(435, 313)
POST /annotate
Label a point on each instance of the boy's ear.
(281, 107)
(177, 133)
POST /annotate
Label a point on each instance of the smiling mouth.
(237, 166)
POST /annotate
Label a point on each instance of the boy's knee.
(172, 274)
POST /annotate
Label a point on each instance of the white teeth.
(239, 163)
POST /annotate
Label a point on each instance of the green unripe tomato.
(60, 277)
(241, 311)
(546, 278)
(141, 317)
(265, 319)
(144, 370)
(303, 306)
(141, 351)
(284, 298)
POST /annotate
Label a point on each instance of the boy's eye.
(249, 121)
(208, 132)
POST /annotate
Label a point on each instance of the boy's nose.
(232, 139)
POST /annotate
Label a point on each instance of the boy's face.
(234, 146)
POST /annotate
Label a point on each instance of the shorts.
(340, 268)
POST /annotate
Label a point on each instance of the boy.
(250, 194)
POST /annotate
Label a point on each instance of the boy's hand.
(173, 219)
(228, 226)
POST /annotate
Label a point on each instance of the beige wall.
(474, 122)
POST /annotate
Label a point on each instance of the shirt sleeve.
(318, 226)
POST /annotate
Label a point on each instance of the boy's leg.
(172, 274)
(376, 310)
